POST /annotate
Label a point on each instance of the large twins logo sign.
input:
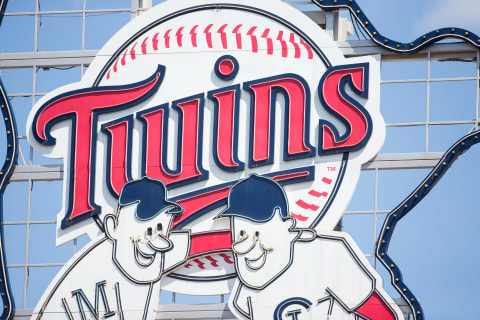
(211, 148)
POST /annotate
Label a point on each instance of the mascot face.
(261, 230)
(262, 250)
(141, 228)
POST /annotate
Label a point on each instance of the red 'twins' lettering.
(336, 100)
(82, 107)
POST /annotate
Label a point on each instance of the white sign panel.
(211, 148)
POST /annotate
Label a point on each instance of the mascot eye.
(242, 233)
(159, 227)
(149, 231)
(257, 233)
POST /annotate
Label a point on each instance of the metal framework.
(31, 172)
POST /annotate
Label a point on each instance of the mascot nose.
(150, 195)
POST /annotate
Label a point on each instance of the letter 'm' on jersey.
(339, 103)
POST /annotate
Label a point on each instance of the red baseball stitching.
(302, 204)
(194, 35)
(226, 258)
(295, 45)
(222, 32)
(132, 52)
(253, 39)
(122, 61)
(326, 180)
(284, 44)
(238, 36)
(299, 217)
(269, 41)
(208, 34)
(199, 263)
(179, 36)
(310, 52)
(212, 261)
(144, 45)
(155, 41)
(166, 36)
(311, 206)
(223, 36)
(317, 194)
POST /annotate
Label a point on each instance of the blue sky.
(408, 19)
(436, 245)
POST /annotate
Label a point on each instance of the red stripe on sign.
(108, 74)
(291, 176)
(223, 36)
(196, 203)
(207, 242)
(317, 194)
(326, 180)
(376, 308)
(302, 204)
(299, 217)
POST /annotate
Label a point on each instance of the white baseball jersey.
(84, 287)
(326, 279)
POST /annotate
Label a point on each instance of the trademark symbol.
(331, 168)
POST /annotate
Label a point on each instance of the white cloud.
(452, 13)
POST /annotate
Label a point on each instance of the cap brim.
(224, 214)
(175, 208)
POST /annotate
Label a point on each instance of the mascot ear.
(290, 221)
(110, 223)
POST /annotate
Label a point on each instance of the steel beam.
(382, 161)
(439, 51)
(47, 59)
(352, 48)
(37, 173)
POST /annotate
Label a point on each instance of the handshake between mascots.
(283, 272)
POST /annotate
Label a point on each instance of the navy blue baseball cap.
(256, 198)
(151, 196)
